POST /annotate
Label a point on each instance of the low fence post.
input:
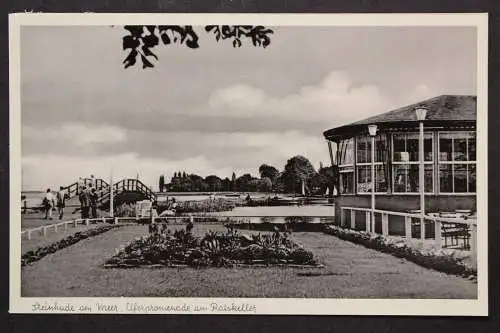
(115, 220)
(342, 217)
(75, 222)
(44, 231)
(422, 228)
(407, 227)
(28, 234)
(87, 222)
(353, 219)
(368, 222)
(55, 227)
(385, 224)
(65, 226)
(437, 233)
(103, 220)
(473, 240)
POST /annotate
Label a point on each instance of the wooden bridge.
(124, 190)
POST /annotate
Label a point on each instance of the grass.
(351, 271)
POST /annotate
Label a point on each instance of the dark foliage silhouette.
(141, 39)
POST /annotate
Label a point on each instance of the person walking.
(93, 203)
(84, 197)
(61, 201)
(48, 203)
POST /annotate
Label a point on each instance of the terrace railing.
(446, 232)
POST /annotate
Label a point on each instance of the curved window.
(346, 165)
(363, 164)
(457, 162)
(405, 163)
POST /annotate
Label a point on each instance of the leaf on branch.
(131, 59)
(236, 43)
(135, 30)
(147, 52)
(130, 42)
(145, 62)
(165, 39)
(150, 40)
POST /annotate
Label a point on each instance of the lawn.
(351, 271)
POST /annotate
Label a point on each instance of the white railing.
(56, 227)
(438, 221)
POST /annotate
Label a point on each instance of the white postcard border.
(431, 307)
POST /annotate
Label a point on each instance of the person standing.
(84, 197)
(61, 201)
(48, 203)
(93, 203)
(81, 184)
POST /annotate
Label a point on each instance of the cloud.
(76, 134)
(50, 171)
(335, 100)
(218, 154)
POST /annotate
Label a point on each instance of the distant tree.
(184, 174)
(198, 183)
(265, 185)
(268, 171)
(141, 39)
(161, 183)
(226, 184)
(233, 182)
(246, 183)
(214, 183)
(298, 169)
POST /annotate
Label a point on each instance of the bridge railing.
(127, 185)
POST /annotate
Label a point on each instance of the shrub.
(443, 260)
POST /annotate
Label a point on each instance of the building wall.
(405, 203)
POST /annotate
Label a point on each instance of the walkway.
(351, 271)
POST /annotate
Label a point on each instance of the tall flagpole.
(111, 208)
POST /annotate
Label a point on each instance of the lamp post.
(421, 113)
(111, 207)
(372, 130)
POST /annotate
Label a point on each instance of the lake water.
(282, 214)
(33, 198)
(316, 213)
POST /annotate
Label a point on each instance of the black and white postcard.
(249, 164)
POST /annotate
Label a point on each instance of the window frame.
(452, 162)
(352, 166)
(426, 163)
(383, 164)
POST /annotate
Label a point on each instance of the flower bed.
(37, 254)
(444, 260)
(181, 248)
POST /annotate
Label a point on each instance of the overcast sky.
(217, 109)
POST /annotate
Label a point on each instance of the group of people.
(51, 201)
(86, 194)
(88, 202)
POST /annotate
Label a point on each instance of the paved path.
(351, 271)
